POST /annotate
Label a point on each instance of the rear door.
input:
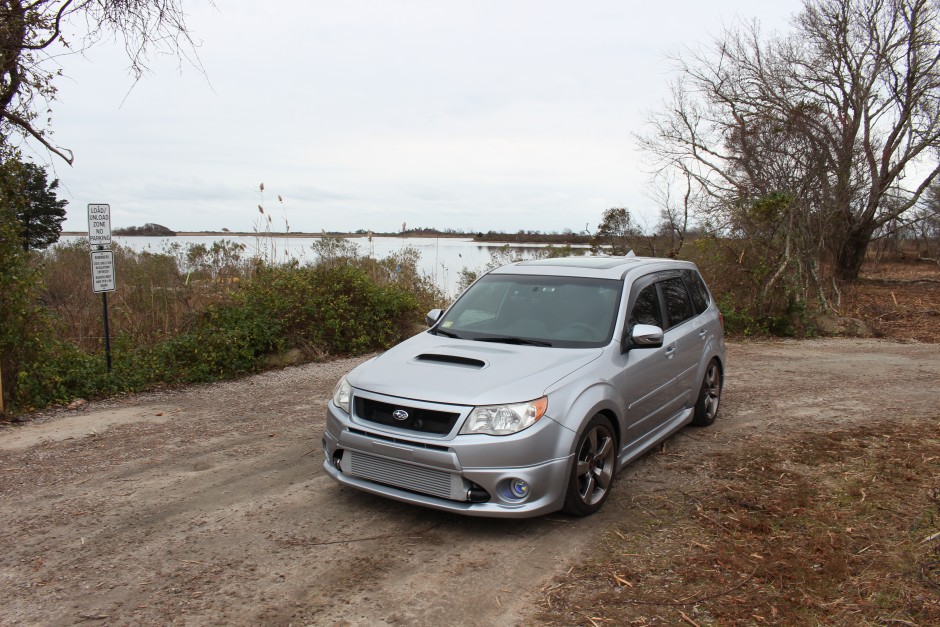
(707, 324)
(682, 331)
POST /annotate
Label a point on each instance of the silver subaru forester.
(532, 390)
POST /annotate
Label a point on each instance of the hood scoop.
(451, 360)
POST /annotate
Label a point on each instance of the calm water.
(441, 259)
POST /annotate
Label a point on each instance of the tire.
(706, 405)
(592, 473)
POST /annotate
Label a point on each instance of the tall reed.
(156, 291)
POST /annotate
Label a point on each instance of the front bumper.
(464, 474)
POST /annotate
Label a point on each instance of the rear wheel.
(592, 474)
(706, 406)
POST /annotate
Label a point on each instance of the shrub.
(333, 309)
(742, 281)
(23, 323)
(58, 373)
(792, 320)
(157, 291)
(338, 308)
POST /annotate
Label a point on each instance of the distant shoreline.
(469, 236)
(489, 237)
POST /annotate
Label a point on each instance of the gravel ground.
(209, 505)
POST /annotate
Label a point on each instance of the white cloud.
(365, 114)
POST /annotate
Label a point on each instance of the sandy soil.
(208, 505)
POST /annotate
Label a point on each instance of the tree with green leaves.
(616, 233)
(840, 116)
(21, 319)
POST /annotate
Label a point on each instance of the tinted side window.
(646, 310)
(696, 289)
(678, 304)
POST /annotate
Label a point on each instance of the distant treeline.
(566, 237)
(149, 229)
(535, 237)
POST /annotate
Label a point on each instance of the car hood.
(464, 372)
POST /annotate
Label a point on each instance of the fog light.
(519, 488)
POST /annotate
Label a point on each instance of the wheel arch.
(600, 398)
(703, 366)
(614, 422)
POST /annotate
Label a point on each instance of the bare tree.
(840, 116)
(32, 31)
(924, 227)
(675, 210)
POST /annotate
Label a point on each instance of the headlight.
(342, 394)
(504, 419)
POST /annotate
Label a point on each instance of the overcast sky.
(472, 115)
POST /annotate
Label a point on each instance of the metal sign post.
(107, 333)
(103, 280)
(102, 263)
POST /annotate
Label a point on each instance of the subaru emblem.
(400, 415)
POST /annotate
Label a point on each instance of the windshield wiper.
(446, 333)
(513, 340)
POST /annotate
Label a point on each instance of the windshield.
(570, 312)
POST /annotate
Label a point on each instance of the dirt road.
(208, 505)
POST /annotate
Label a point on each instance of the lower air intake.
(409, 477)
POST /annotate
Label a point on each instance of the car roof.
(593, 266)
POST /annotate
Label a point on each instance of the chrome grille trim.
(387, 438)
(411, 477)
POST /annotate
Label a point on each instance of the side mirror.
(646, 336)
(431, 317)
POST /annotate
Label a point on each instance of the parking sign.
(99, 225)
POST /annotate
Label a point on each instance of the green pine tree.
(37, 208)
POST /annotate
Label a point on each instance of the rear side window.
(646, 310)
(678, 303)
(697, 290)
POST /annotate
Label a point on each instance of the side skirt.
(642, 444)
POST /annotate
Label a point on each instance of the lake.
(442, 259)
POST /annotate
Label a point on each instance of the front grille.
(401, 475)
(424, 420)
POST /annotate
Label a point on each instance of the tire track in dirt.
(208, 505)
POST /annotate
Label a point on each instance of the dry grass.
(898, 299)
(157, 291)
(837, 528)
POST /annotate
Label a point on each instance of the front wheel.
(706, 406)
(592, 474)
